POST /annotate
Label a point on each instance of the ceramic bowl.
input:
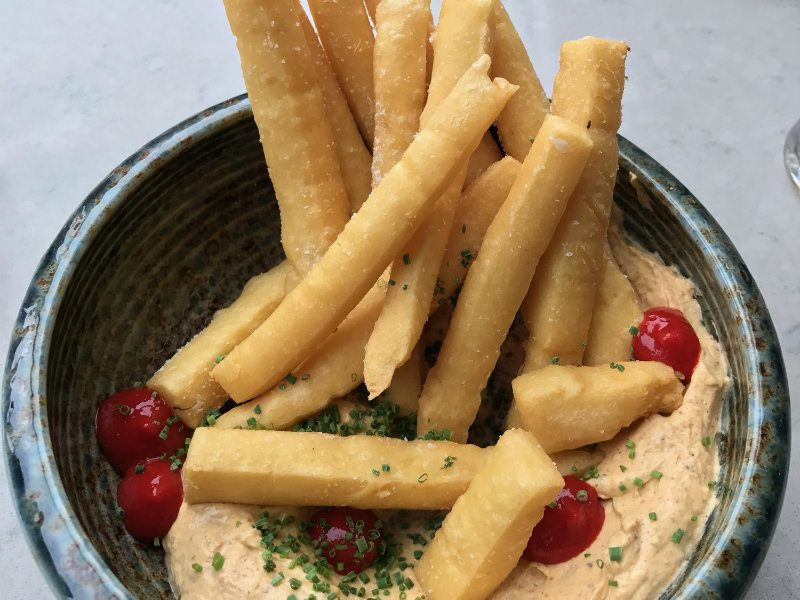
(171, 235)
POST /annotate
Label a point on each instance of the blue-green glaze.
(172, 234)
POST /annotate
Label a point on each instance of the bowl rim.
(74, 568)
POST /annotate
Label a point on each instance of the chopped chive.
(554, 360)
(623, 468)
(305, 376)
(153, 395)
(157, 542)
(139, 469)
(281, 386)
(405, 286)
(615, 553)
(291, 379)
(392, 282)
(385, 468)
(422, 478)
(574, 468)
(712, 484)
(638, 482)
(531, 140)
(417, 554)
(449, 461)
(706, 441)
(617, 366)
(694, 518)
(257, 409)
(197, 567)
(251, 422)
(295, 583)
(123, 409)
(277, 579)
(464, 228)
(219, 358)
(164, 432)
(582, 496)
(631, 446)
(406, 259)
(678, 535)
(553, 504)
(656, 474)
(633, 330)
(612, 583)
(653, 516)
(376, 472)
(217, 561)
(622, 487)
(600, 563)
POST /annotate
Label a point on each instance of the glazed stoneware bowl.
(173, 233)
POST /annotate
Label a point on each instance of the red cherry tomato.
(134, 425)
(568, 529)
(150, 494)
(666, 336)
(329, 528)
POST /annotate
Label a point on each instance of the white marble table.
(713, 87)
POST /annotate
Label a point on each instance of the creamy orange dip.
(655, 519)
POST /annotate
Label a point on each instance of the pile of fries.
(381, 138)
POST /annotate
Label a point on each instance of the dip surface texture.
(657, 480)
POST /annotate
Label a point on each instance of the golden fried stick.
(346, 35)
(297, 138)
(354, 158)
(401, 34)
(394, 210)
(523, 115)
(500, 277)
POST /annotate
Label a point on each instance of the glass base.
(791, 153)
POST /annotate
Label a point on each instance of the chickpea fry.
(297, 138)
(500, 277)
(346, 34)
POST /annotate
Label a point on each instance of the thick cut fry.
(296, 136)
(407, 383)
(500, 276)
(558, 307)
(463, 34)
(482, 538)
(486, 154)
(346, 35)
(334, 369)
(354, 158)
(408, 301)
(371, 238)
(185, 380)
(284, 468)
(523, 115)
(478, 205)
(401, 33)
(569, 407)
(589, 83)
(615, 311)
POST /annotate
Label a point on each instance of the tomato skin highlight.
(128, 425)
(150, 498)
(568, 529)
(328, 528)
(666, 336)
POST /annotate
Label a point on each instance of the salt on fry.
(401, 34)
(354, 158)
(335, 368)
(558, 307)
(346, 34)
(297, 138)
(500, 276)
(523, 115)
(351, 265)
(184, 381)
